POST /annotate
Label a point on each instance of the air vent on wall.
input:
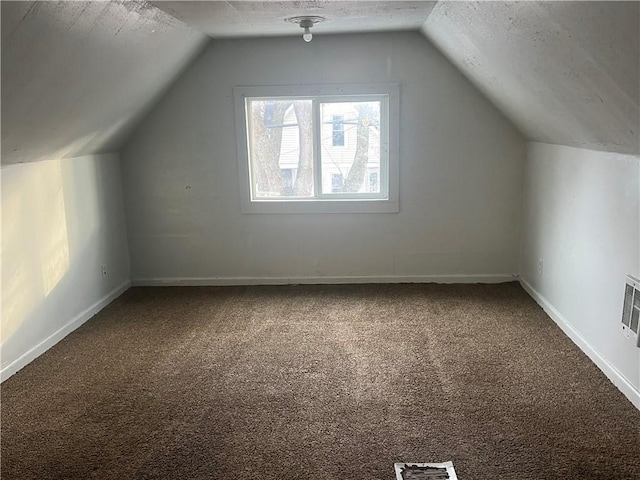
(631, 309)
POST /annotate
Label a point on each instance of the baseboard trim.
(596, 357)
(54, 338)
(228, 281)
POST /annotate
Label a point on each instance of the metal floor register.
(425, 471)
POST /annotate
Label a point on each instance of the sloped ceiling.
(233, 19)
(76, 76)
(565, 72)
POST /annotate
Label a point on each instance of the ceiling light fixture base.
(306, 22)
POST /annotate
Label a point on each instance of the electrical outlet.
(104, 270)
(540, 266)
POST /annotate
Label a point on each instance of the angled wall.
(567, 73)
(581, 237)
(77, 76)
(461, 167)
(61, 221)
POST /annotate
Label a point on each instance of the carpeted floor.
(318, 383)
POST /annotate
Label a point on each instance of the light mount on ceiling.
(306, 22)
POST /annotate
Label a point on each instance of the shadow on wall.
(49, 227)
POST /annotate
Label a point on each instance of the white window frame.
(386, 202)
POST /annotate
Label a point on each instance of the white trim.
(612, 373)
(390, 132)
(54, 338)
(228, 281)
(321, 206)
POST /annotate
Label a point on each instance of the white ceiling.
(565, 72)
(222, 19)
(78, 76)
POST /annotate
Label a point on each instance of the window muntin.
(316, 148)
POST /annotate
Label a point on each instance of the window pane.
(338, 130)
(281, 148)
(350, 147)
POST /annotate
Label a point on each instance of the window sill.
(320, 206)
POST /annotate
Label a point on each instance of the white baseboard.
(228, 281)
(54, 338)
(612, 373)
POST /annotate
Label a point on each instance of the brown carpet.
(317, 382)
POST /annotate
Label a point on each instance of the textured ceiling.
(565, 72)
(220, 19)
(77, 76)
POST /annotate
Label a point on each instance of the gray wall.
(581, 218)
(461, 174)
(61, 220)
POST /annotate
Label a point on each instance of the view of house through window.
(338, 131)
(307, 148)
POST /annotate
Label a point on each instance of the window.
(337, 123)
(373, 182)
(336, 182)
(287, 181)
(318, 148)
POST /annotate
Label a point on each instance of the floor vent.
(631, 309)
(425, 471)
